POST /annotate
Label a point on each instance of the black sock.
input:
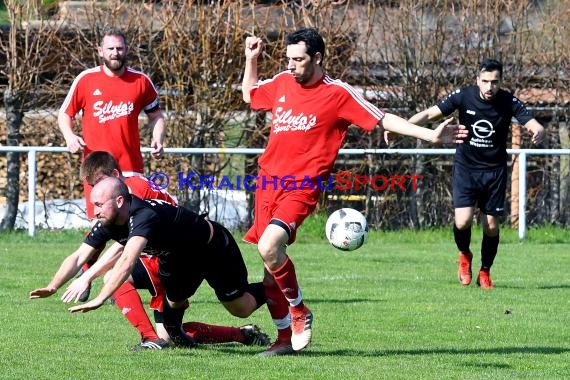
(257, 290)
(489, 248)
(172, 318)
(462, 238)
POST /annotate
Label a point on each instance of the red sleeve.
(263, 93)
(74, 101)
(140, 187)
(150, 96)
(357, 110)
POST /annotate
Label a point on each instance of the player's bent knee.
(272, 245)
(238, 312)
(462, 224)
(241, 307)
(491, 231)
(266, 249)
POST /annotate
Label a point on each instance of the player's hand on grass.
(75, 290)
(42, 293)
(85, 307)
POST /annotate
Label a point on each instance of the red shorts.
(150, 263)
(88, 205)
(290, 207)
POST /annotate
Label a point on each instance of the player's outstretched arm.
(101, 266)
(119, 274)
(429, 114)
(536, 129)
(444, 133)
(447, 133)
(68, 268)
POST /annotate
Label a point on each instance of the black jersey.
(487, 123)
(168, 229)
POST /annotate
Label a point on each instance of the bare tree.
(416, 51)
(29, 36)
(403, 55)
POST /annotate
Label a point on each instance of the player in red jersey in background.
(110, 98)
(310, 115)
(96, 166)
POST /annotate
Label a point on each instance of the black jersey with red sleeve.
(169, 229)
(487, 123)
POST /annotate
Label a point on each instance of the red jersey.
(308, 123)
(111, 108)
(140, 187)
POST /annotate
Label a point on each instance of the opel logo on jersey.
(483, 129)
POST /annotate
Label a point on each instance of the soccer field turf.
(390, 310)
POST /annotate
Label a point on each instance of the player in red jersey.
(96, 166)
(110, 98)
(310, 115)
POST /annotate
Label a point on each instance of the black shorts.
(485, 189)
(219, 262)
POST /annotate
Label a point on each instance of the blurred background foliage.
(403, 55)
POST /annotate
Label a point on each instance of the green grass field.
(391, 310)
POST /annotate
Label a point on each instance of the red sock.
(129, 302)
(279, 309)
(211, 334)
(286, 280)
(284, 335)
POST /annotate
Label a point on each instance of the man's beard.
(114, 64)
(110, 220)
(301, 80)
(306, 77)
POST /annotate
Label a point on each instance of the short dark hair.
(123, 190)
(312, 39)
(96, 163)
(113, 31)
(491, 65)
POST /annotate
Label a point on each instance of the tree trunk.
(14, 115)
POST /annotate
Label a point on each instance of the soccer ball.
(346, 229)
